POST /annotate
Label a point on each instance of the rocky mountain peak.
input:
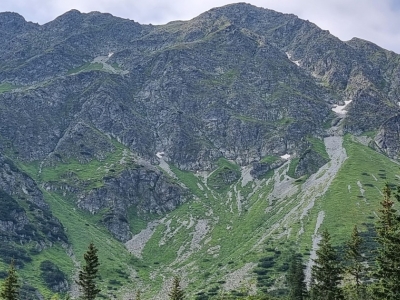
(13, 23)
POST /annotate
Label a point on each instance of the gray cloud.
(374, 20)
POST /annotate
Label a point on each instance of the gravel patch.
(316, 238)
(239, 277)
(138, 241)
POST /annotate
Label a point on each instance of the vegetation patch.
(319, 146)
(54, 278)
(6, 87)
(226, 174)
(86, 67)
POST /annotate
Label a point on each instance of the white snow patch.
(297, 62)
(340, 109)
(160, 154)
(286, 156)
(110, 54)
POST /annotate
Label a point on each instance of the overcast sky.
(375, 20)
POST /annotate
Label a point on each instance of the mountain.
(201, 148)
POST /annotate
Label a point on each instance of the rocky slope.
(127, 122)
(25, 218)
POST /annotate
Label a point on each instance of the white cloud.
(374, 20)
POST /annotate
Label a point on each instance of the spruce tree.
(296, 279)
(354, 259)
(326, 273)
(387, 273)
(88, 274)
(10, 287)
(176, 292)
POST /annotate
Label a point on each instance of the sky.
(377, 21)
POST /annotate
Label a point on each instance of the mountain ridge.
(180, 139)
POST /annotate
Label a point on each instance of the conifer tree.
(354, 258)
(326, 273)
(387, 273)
(88, 274)
(10, 287)
(176, 292)
(137, 297)
(296, 279)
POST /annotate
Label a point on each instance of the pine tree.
(387, 273)
(354, 259)
(326, 273)
(88, 274)
(137, 297)
(176, 292)
(10, 287)
(296, 279)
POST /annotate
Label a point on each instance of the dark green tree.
(137, 297)
(326, 272)
(88, 274)
(296, 279)
(10, 287)
(176, 292)
(355, 268)
(387, 273)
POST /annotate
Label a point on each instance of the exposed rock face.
(146, 190)
(238, 82)
(262, 168)
(388, 137)
(309, 163)
(19, 225)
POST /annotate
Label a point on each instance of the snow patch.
(160, 154)
(286, 156)
(110, 54)
(340, 109)
(289, 56)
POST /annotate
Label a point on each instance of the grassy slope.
(233, 229)
(343, 203)
(82, 227)
(344, 208)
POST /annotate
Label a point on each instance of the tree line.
(350, 276)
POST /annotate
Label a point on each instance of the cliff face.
(388, 138)
(25, 218)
